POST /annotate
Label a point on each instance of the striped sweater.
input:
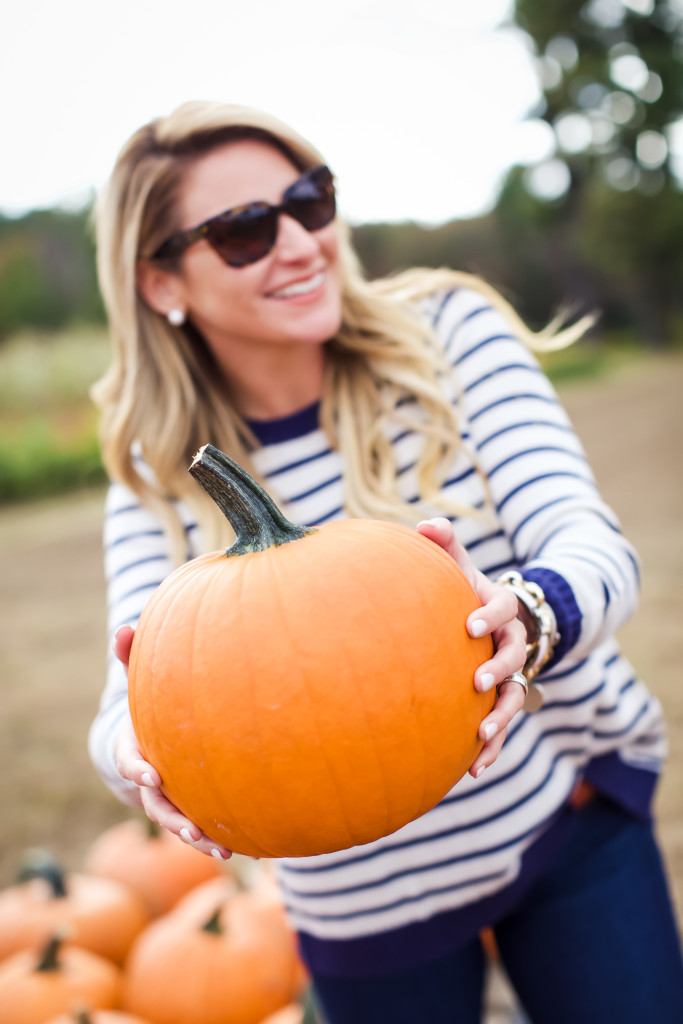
(422, 891)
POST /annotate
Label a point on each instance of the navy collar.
(286, 428)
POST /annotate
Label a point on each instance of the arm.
(542, 489)
(136, 562)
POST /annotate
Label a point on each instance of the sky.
(417, 105)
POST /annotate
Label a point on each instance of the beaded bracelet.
(539, 619)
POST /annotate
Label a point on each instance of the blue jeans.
(593, 941)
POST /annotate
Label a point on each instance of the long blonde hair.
(162, 392)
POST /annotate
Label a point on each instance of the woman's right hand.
(132, 765)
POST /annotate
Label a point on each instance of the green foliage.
(48, 425)
(612, 79)
(47, 272)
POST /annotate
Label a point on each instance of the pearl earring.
(176, 317)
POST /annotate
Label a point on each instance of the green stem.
(153, 831)
(257, 521)
(48, 958)
(41, 864)
(214, 925)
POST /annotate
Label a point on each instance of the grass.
(48, 424)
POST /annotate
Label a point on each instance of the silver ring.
(516, 677)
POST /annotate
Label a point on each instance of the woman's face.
(241, 309)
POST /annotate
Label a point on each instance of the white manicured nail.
(487, 680)
(490, 729)
(478, 627)
(479, 770)
(186, 835)
(147, 780)
(216, 853)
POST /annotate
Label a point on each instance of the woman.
(239, 315)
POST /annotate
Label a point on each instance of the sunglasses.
(245, 234)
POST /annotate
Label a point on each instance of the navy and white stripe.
(520, 457)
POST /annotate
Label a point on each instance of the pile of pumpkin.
(148, 932)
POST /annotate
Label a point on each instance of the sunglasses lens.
(244, 237)
(311, 199)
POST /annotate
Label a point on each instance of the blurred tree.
(612, 78)
(47, 271)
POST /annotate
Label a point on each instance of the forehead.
(232, 174)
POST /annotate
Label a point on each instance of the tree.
(612, 78)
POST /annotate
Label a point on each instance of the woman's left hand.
(497, 617)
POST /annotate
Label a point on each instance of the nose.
(294, 243)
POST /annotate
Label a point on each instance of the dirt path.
(52, 650)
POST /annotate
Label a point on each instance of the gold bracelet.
(539, 618)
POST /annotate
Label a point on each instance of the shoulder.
(467, 322)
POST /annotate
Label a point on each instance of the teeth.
(302, 287)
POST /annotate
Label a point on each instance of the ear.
(161, 290)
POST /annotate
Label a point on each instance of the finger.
(493, 729)
(123, 639)
(130, 762)
(160, 809)
(488, 753)
(499, 607)
(440, 531)
(509, 657)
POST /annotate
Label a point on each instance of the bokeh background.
(537, 144)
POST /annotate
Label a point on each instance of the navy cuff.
(560, 597)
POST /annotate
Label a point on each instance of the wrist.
(538, 618)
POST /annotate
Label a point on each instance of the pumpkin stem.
(214, 925)
(48, 958)
(42, 864)
(153, 831)
(257, 521)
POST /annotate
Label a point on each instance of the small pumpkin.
(233, 968)
(36, 986)
(83, 1016)
(153, 862)
(307, 690)
(261, 902)
(99, 914)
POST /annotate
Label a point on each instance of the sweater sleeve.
(542, 489)
(137, 559)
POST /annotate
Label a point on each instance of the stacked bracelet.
(539, 619)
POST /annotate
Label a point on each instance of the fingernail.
(479, 770)
(215, 852)
(490, 729)
(186, 835)
(486, 680)
(147, 780)
(478, 627)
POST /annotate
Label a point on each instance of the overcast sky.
(416, 104)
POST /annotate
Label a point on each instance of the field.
(52, 647)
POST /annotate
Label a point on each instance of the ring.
(516, 677)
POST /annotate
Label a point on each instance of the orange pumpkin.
(261, 902)
(235, 968)
(97, 1017)
(100, 914)
(37, 986)
(307, 690)
(157, 865)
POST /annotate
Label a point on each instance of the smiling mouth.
(300, 287)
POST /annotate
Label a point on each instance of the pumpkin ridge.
(311, 702)
(180, 595)
(236, 822)
(381, 767)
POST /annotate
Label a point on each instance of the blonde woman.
(239, 316)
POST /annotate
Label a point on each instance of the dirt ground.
(52, 647)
